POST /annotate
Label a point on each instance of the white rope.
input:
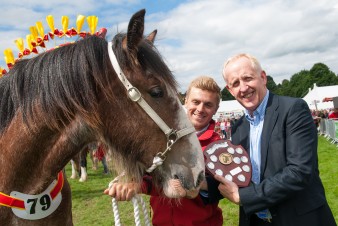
(137, 199)
(116, 212)
(145, 211)
(136, 212)
(157, 161)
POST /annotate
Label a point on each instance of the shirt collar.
(258, 114)
(198, 133)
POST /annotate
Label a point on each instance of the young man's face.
(201, 105)
(246, 84)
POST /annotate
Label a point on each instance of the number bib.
(38, 206)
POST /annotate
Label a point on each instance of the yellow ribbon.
(65, 22)
(9, 57)
(92, 23)
(79, 23)
(30, 39)
(40, 29)
(19, 43)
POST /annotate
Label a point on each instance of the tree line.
(299, 83)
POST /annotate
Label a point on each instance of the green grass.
(92, 207)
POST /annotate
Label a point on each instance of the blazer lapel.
(271, 115)
(245, 135)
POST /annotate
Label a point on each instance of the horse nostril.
(200, 178)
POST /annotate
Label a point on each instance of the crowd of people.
(224, 124)
(318, 115)
(281, 139)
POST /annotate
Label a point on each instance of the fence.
(329, 129)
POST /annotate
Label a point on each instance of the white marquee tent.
(229, 107)
(315, 97)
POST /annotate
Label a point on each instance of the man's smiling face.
(245, 83)
(201, 105)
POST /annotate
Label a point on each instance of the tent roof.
(230, 105)
(316, 96)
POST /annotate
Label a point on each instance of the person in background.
(100, 155)
(202, 101)
(228, 126)
(222, 127)
(279, 134)
(333, 114)
(217, 126)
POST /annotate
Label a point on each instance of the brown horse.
(58, 102)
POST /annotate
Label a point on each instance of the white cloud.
(196, 37)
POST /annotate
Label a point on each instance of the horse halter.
(135, 95)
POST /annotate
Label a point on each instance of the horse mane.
(67, 81)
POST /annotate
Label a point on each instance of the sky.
(195, 37)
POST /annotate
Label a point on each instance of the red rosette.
(10, 65)
(101, 33)
(34, 50)
(45, 38)
(71, 32)
(26, 52)
(82, 34)
(229, 161)
(33, 43)
(51, 35)
(40, 42)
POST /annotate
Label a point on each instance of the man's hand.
(123, 191)
(228, 189)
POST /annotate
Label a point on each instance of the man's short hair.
(205, 83)
(254, 63)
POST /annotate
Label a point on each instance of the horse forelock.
(148, 58)
(57, 84)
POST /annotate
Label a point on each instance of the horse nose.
(200, 178)
(187, 184)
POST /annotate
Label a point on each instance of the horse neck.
(31, 160)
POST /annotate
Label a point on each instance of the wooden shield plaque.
(228, 160)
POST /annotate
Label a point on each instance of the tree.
(322, 75)
(271, 85)
(226, 95)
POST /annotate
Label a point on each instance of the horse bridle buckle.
(134, 94)
(172, 136)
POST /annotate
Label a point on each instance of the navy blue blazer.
(290, 184)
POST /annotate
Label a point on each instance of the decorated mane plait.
(37, 38)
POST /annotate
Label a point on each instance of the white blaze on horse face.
(186, 158)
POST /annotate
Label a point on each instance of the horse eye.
(156, 92)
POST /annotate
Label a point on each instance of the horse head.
(168, 135)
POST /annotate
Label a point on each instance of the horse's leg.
(105, 167)
(94, 159)
(74, 172)
(75, 166)
(83, 163)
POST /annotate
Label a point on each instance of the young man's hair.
(205, 83)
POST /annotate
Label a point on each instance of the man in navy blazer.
(279, 134)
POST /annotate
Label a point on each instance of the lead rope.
(136, 200)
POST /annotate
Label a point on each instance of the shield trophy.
(229, 161)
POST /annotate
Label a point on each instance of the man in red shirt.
(334, 114)
(202, 101)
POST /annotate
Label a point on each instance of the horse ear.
(135, 31)
(151, 36)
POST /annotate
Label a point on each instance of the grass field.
(92, 207)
